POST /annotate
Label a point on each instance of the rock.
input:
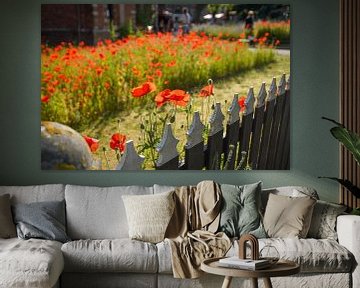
(62, 148)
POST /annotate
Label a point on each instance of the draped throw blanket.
(191, 231)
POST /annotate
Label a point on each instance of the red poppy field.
(152, 79)
(81, 83)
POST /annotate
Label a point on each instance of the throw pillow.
(149, 215)
(323, 222)
(7, 227)
(240, 213)
(43, 220)
(288, 217)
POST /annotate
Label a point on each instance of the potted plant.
(351, 141)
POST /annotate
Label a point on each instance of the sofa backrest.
(34, 193)
(98, 212)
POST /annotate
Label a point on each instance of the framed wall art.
(165, 87)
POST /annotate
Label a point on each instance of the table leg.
(227, 282)
(267, 283)
(254, 282)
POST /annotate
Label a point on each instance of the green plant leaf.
(347, 184)
(349, 139)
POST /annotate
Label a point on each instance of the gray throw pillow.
(7, 227)
(44, 220)
(240, 213)
(323, 222)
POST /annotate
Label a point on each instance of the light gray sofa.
(101, 255)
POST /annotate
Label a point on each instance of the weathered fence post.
(258, 125)
(275, 131)
(168, 154)
(267, 126)
(214, 147)
(130, 160)
(283, 154)
(232, 134)
(194, 147)
(246, 123)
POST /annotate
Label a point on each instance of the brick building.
(82, 22)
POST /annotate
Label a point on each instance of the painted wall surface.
(314, 84)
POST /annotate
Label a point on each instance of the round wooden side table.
(281, 268)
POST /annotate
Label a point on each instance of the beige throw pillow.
(7, 226)
(149, 215)
(288, 217)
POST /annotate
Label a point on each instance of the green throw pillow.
(240, 213)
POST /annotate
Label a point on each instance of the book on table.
(249, 264)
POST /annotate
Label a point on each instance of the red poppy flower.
(241, 102)
(144, 89)
(177, 97)
(118, 142)
(99, 71)
(158, 73)
(92, 142)
(45, 99)
(207, 91)
(162, 97)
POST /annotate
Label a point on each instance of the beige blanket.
(191, 231)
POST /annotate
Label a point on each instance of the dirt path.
(224, 91)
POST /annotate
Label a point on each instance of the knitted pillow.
(323, 222)
(149, 215)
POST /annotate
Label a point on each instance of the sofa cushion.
(116, 255)
(7, 226)
(323, 222)
(287, 216)
(30, 263)
(98, 213)
(43, 220)
(34, 193)
(149, 215)
(313, 255)
(240, 210)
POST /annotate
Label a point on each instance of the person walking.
(187, 21)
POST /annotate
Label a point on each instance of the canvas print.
(165, 87)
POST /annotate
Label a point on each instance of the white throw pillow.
(149, 215)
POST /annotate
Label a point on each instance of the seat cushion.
(117, 255)
(30, 263)
(313, 255)
(98, 213)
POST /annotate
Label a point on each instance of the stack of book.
(248, 264)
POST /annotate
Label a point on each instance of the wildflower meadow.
(80, 83)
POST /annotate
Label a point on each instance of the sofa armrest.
(348, 230)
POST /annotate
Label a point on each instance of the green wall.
(314, 84)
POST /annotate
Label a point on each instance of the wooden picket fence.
(256, 138)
